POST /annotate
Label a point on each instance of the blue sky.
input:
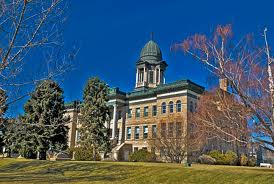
(111, 34)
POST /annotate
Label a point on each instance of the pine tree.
(44, 118)
(95, 114)
(3, 121)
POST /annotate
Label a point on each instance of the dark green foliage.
(142, 156)
(85, 154)
(43, 126)
(206, 159)
(95, 113)
(229, 158)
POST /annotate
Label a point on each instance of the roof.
(115, 93)
(150, 92)
(166, 88)
(151, 53)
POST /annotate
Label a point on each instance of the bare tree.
(223, 120)
(177, 141)
(247, 67)
(31, 29)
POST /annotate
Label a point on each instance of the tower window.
(151, 76)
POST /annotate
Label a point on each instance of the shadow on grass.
(37, 172)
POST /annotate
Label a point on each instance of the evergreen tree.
(3, 121)
(95, 114)
(44, 119)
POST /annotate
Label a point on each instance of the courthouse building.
(153, 105)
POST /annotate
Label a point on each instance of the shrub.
(243, 160)
(251, 162)
(85, 154)
(142, 156)
(206, 159)
(230, 158)
(218, 156)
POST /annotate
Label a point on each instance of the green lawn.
(32, 171)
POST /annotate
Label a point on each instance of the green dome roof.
(151, 52)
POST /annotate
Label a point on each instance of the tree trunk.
(38, 155)
(94, 153)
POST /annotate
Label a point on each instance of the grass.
(22, 171)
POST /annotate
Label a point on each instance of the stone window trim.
(128, 135)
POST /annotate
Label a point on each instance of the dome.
(151, 52)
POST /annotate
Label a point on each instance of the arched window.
(179, 106)
(163, 107)
(170, 107)
(191, 106)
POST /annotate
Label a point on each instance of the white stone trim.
(117, 100)
(178, 92)
(143, 100)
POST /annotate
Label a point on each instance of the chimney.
(223, 84)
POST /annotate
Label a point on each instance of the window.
(129, 114)
(145, 132)
(151, 76)
(144, 148)
(145, 111)
(170, 129)
(170, 107)
(137, 132)
(178, 129)
(191, 106)
(163, 129)
(179, 106)
(163, 108)
(154, 110)
(135, 149)
(128, 132)
(154, 131)
(138, 112)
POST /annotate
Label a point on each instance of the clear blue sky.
(111, 33)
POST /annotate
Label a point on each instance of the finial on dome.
(151, 36)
